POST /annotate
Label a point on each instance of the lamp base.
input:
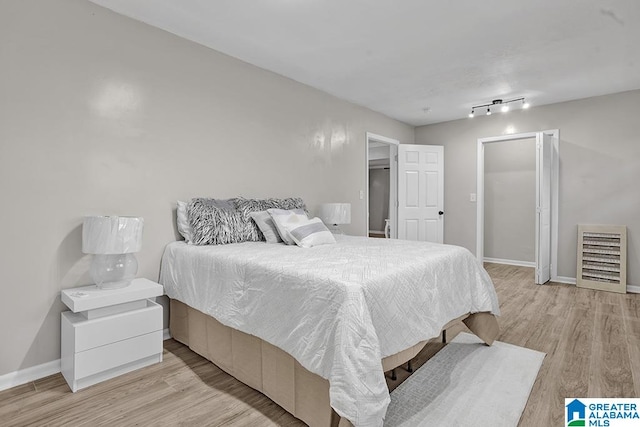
(114, 285)
(113, 271)
(335, 229)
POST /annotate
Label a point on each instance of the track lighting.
(504, 105)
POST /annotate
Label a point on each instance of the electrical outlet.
(472, 197)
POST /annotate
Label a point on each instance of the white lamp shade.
(110, 235)
(335, 213)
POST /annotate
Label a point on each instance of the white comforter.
(338, 309)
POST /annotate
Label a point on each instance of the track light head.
(488, 111)
(504, 108)
(525, 104)
(471, 114)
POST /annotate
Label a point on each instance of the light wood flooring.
(592, 341)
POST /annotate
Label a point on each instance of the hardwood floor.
(592, 341)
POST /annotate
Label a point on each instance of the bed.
(310, 327)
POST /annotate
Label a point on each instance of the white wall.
(599, 168)
(510, 200)
(100, 114)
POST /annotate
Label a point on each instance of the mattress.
(338, 309)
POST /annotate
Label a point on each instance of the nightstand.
(109, 332)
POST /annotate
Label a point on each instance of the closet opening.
(510, 202)
(506, 216)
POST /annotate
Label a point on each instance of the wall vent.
(602, 257)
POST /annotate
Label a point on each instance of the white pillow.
(309, 233)
(265, 223)
(285, 216)
(184, 228)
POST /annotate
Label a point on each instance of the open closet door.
(420, 192)
(544, 147)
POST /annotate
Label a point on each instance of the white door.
(544, 148)
(421, 192)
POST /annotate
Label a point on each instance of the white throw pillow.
(309, 233)
(184, 228)
(285, 216)
(265, 223)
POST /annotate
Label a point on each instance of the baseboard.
(23, 376)
(510, 262)
(634, 289)
(564, 279)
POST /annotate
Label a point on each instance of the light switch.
(472, 197)
(361, 194)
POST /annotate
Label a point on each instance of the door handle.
(440, 212)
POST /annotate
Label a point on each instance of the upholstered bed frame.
(274, 372)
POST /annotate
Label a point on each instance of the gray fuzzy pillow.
(217, 221)
(246, 206)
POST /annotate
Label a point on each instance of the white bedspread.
(338, 309)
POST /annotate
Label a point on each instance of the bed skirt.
(274, 372)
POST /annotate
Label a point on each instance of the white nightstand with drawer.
(109, 332)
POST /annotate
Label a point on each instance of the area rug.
(467, 384)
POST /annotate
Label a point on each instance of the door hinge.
(395, 157)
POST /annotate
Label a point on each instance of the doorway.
(381, 186)
(510, 202)
(546, 199)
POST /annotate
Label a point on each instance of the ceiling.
(418, 61)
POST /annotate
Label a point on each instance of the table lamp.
(335, 214)
(112, 240)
